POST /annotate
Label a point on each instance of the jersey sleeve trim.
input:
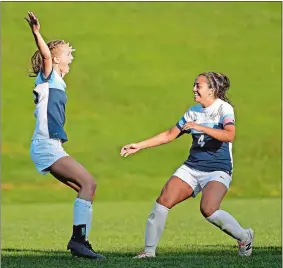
(228, 119)
(48, 77)
(181, 123)
(230, 123)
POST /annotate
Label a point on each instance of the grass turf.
(134, 68)
(35, 235)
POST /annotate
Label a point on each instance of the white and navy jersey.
(50, 99)
(208, 154)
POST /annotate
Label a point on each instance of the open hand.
(33, 22)
(129, 149)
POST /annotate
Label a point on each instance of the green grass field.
(35, 235)
(134, 67)
(135, 63)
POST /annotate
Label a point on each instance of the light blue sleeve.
(41, 79)
(185, 118)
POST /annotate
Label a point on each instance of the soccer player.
(50, 64)
(208, 167)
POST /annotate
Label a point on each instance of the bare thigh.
(174, 192)
(73, 174)
(212, 196)
(73, 185)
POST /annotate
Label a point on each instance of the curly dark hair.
(219, 82)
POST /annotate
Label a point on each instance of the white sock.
(228, 224)
(82, 213)
(88, 225)
(154, 227)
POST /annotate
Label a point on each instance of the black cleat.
(79, 246)
(83, 249)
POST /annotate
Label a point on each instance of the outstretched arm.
(42, 46)
(161, 138)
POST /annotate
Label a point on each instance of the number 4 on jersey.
(200, 141)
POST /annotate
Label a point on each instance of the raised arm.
(161, 138)
(42, 46)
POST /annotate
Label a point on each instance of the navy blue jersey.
(208, 154)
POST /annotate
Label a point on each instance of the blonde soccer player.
(208, 168)
(50, 63)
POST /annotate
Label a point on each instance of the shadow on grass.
(189, 256)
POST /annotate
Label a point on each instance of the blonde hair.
(36, 59)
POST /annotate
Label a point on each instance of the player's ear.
(56, 60)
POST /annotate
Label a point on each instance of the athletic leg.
(212, 196)
(174, 192)
(72, 173)
(68, 183)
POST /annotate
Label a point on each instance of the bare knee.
(89, 186)
(165, 201)
(207, 210)
(92, 186)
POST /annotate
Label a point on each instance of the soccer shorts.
(198, 179)
(45, 153)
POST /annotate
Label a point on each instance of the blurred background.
(132, 77)
(134, 68)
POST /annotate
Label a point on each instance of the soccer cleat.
(246, 247)
(144, 255)
(83, 249)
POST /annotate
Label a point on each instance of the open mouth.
(196, 94)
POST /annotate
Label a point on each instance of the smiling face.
(203, 94)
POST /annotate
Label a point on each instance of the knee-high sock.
(154, 227)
